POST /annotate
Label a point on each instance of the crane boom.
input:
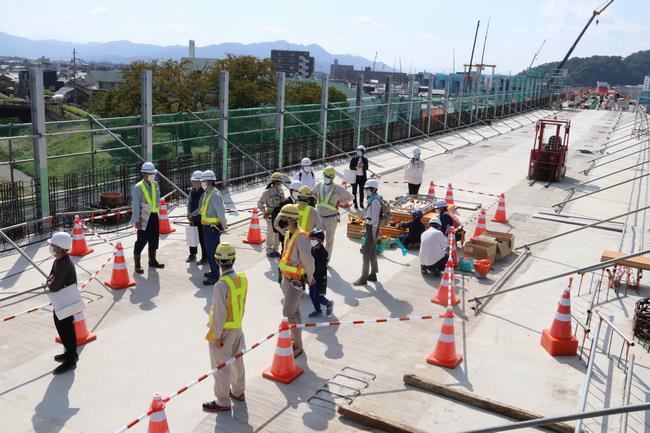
(537, 54)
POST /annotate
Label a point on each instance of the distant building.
(646, 83)
(293, 63)
(197, 64)
(348, 74)
(71, 93)
(103, 79)
(50, 82)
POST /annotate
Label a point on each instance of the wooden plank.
(372, 420)
(634, 262)
(481, 402)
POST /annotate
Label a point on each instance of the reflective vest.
(303, 217)
(150, 199)
(234, 309)
(205, 219)
(323, 200)
(289, 271)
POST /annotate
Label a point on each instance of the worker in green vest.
(144, 206)
(329, 197)
(225, 336)
(309, 217)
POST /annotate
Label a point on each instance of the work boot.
(138, 267)
(60, 357)
(203, 261)
(209, 281)
(372, 277)
(65, 367)
(153, 263)
(190, 258)
(360, 282)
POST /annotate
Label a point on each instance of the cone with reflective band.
(432, 189)
(283, 369)
(120, 275)
(81, 330)
(164, 228)
(559, 340)
(445, 354)
(500, 215)
(449, 198)
(157, 419)
(79, 247)
(453, 247)
(446, 289)
(254, 234)
(480, 225)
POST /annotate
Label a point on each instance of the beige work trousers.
(291, 309)
(330, 224)
(272, 238)
(231, 376)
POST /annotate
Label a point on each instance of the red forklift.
(548, 155)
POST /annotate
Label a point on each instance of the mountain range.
(126, 51)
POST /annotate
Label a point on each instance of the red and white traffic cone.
(79, 246)
(432, 190)
(480, 225)
(559, 340)
(283, 369)
(445, 354)
(446, 292)
(164, 228)
(449, 198)
(157, 419)
(254, 233)
(500, 215)
(120, 275)
(81, 330)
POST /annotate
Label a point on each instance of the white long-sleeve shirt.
(307, 179)
(414, 171)
(433, 246)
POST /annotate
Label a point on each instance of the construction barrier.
(164, 228)
(79, 246)
(254, 236)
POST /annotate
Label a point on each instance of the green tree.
(308, 92)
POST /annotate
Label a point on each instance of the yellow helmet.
(304, 192)
(329, 171)
(225, 252)
(289, 211)
(277, 177)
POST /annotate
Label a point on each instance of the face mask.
(416, 157)
(204, 185)
(359, 153)
(151, 177)
(306, 169)
(52, 250)
(283, 224)
(328, 181)
(314, 242)
(294, 195)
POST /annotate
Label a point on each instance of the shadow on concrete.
(338, 285)
(53, 411)
(396, 307)
(146, 289)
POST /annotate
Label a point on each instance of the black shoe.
(209, 282)
(60, 357)
(372, 277)
(356, 206)
(64, 368)
(207, 275)
(203, 261)
(360, 282)
(190, 258)
(330, 308)
(138, 267)
(362, 206)
(153, 263)
(436, 273)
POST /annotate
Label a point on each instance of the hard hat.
(435, 222)
(439, 204)
(289, 211)
(148, 168)
(305, 162)
(361, 147)
(277, 177)
(416, 151)
(329, 171)
(61, 239)
(417, 214)
(196, 175)
(317, 234)
(296, 185)
(225, 252)
(208, 175)
(372, 183)
(304, 192)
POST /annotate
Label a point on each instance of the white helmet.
(208, 175)
(416, 151)
(361, 147)
(440, 203)
(148, 168)
(372, 183)
(435, 221)
(305, 162)
(296, 185)
(61, 239)
(196, 175)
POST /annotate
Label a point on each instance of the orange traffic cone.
(432, 189)
(79, 247)
(446, 292)
(480, 225)
(157, 419)
(450, 195)
(283, 369)
(500, 215)
(164, 228)
(80, 330)
(254, 234)
(120, 276)
(559, 340)
(453, 247)
(445, 354)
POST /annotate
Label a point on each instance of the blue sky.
(422, 33)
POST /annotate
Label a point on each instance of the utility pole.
(74, 76)
(471, 58)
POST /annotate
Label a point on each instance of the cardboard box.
(480, 249)
(507, 238)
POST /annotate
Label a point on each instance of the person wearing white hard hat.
(213, 222)
(145, 199)
(294, 187)
(305, 175)
(196, 192)
(448, 220)
(62, 276)
(369, 268)
(359, 166)
(433, 249)
(413, 172)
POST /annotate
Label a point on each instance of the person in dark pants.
(63, 275)
(213, 221)
(415, 230)
(317, 290)
(359, 165)
(146, 196)
(413, 172)
(192, 205)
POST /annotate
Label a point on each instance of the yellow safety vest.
(324, 201)
(303, 216)
(205, 219)
(235, 309)
(150, 199)
(289, 271)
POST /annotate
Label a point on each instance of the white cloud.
(369, 23)
(520, 30)
(99, 10)
(274, 30)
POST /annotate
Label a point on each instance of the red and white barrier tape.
(200, 379)
(93, 233)
(101, 217)
(31, 310)
(476, 215)
(360, 322)
(467, 190)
